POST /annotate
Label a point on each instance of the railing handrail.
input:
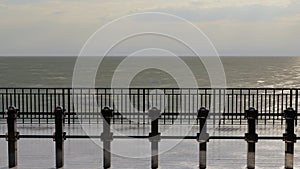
(166, 88)
(224, 101)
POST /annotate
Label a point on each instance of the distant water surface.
(240, 72)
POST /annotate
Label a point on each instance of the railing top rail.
(218, 88)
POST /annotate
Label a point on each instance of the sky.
(235, 27)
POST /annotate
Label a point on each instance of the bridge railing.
(178, 106)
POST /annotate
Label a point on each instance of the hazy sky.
(236, 27)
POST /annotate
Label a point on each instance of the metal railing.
(107, 136)
(178, 106)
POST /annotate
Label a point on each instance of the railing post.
(251, 137)
(12, 136)
(289, 137)
(202, 136)
(69, 106)
(106, 136)
(154, 136)
(59, 136)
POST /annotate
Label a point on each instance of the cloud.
(290, 19)
(267, 11)
(193, 10)
(54, 26)
(3, 7)
(239, 3)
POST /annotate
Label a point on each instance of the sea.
(57, 72)
(44, 72)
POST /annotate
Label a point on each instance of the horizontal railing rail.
(146, 137)
(130, 105)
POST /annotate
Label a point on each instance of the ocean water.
(239, 71)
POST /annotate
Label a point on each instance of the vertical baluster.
(59, 136)
(251, 137)
(106, 136)
(202, 136)
(154, 136)
(289, 137)
(12, 136)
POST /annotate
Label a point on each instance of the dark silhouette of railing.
(178, 106)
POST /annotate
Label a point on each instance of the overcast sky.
(236, 27)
